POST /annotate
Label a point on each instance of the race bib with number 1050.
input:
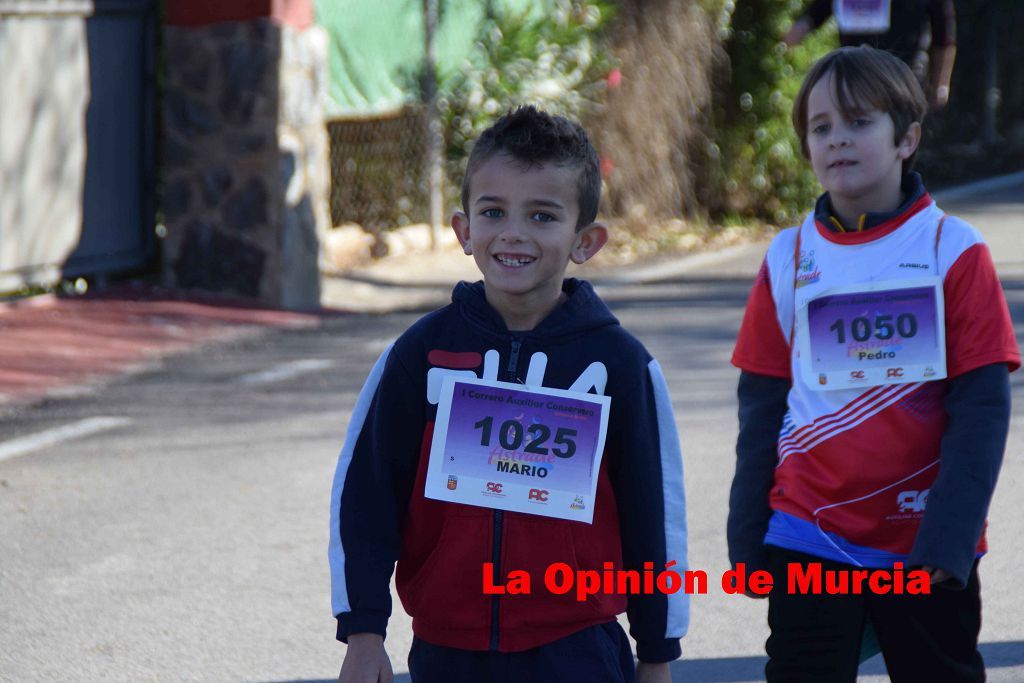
(873, 334)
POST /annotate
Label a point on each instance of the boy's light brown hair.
(865, 78)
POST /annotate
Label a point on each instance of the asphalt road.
(186, 538)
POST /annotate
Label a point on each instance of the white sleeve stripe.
(780, 276)
(674, 496)
(335, 551)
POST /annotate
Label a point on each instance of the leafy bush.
(755, 165)
(549, 58)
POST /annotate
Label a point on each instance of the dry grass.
(655, 125)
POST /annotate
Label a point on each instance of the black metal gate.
(120, 170)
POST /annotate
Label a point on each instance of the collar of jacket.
(881, 223)
(582, 311)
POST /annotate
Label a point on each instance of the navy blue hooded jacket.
(380, 516)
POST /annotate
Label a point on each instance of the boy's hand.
(646, 672)
(938, 97)
(366, 660)
(937, 575)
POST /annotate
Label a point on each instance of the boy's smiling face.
(855, 155)
(521, 231)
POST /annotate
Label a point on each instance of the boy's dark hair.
(863, 77)
(534, 137)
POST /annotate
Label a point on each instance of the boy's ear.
(460, 224)
(910, 140)
(589, 241)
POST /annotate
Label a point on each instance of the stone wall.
(245, 159)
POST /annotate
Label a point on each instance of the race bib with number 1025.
(872, 334)
(511, 447)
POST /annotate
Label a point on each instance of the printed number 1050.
(861, 328)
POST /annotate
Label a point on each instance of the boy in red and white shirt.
(874, 396)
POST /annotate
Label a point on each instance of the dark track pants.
(923, 637)
(599, 654)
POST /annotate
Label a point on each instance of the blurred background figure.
(920, 32)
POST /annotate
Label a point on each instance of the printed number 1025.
(511, 436)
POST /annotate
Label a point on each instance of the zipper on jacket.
(499, 515)
(513, 360)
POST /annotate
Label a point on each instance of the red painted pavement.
(49, 344)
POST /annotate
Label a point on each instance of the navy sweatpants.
(599, 654)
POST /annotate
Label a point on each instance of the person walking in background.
(922, 33)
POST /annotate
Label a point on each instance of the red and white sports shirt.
(855, 464)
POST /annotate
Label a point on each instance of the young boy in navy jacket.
(874, 395)
(530, 199)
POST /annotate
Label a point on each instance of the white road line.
(378, 345)
(52, 437)
(285, 371)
